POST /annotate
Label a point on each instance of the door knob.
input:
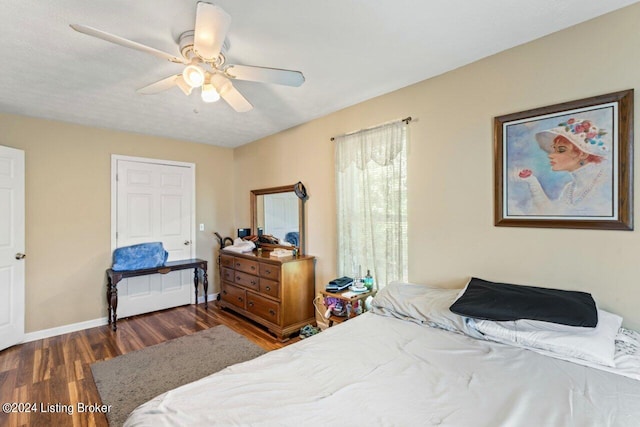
(187, 242)
(20, 255)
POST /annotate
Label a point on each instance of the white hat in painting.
(586, 136)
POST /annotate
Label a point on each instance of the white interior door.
(155, 203)
(12, 246)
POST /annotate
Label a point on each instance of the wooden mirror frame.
(254, 215)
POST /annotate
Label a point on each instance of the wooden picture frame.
(567, 165)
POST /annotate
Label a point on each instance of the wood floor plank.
(57, 370)
(11, 359)
(8, 381)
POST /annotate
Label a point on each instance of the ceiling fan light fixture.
(193, 75)
(209, 93)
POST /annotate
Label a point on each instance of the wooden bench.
(113, 277)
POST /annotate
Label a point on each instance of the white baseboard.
(66, 329)
(210, 297)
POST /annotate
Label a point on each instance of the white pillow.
(628, 353)
(424, 304)
(595, 345)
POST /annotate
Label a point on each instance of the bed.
(410, 361)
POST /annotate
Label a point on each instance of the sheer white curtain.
(371, 187)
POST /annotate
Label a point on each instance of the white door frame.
(114, 193)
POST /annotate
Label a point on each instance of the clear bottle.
(368, 281)
(358, 280)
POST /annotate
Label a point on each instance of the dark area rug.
(127, 381)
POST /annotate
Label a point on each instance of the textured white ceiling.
(348, 50)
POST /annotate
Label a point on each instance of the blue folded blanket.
(292, 237)
(138, 257)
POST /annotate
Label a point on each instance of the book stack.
(340, 284)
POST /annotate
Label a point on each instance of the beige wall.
(450, 181)
(451, 232)
(68, 210)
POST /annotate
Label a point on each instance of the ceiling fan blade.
(236, 100)
(264, 74)
(230, 94)
(212, 25)
(90, 31)
(160, 86)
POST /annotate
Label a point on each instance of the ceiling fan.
(203, 54)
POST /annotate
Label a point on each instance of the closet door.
(154, 203)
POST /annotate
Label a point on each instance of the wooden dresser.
(278, 293)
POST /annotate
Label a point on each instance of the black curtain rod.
(406, 121)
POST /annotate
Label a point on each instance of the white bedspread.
(381, 371)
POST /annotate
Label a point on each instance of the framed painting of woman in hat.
(567, 165)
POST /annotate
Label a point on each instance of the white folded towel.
(281, 253)
(240, 246)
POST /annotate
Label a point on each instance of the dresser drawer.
(247, 280)
(227, 274)
(233, 295)
(270, 271)
(264, 308)
(269, 287)
(226, 261)
(246, 265)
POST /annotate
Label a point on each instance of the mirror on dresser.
(279, 212)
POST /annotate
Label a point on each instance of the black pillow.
(502, 301)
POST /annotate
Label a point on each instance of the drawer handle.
(268, 271)
(253, 267)
(237, 264)
(268, 288)
(237, 277)
(250, 303)
(239, 298)
(272, 312)
(253, 282)
(224, 292)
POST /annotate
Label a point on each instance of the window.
(371, 188)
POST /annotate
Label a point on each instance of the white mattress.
(381, 371)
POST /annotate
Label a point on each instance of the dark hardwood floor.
(56, 371)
